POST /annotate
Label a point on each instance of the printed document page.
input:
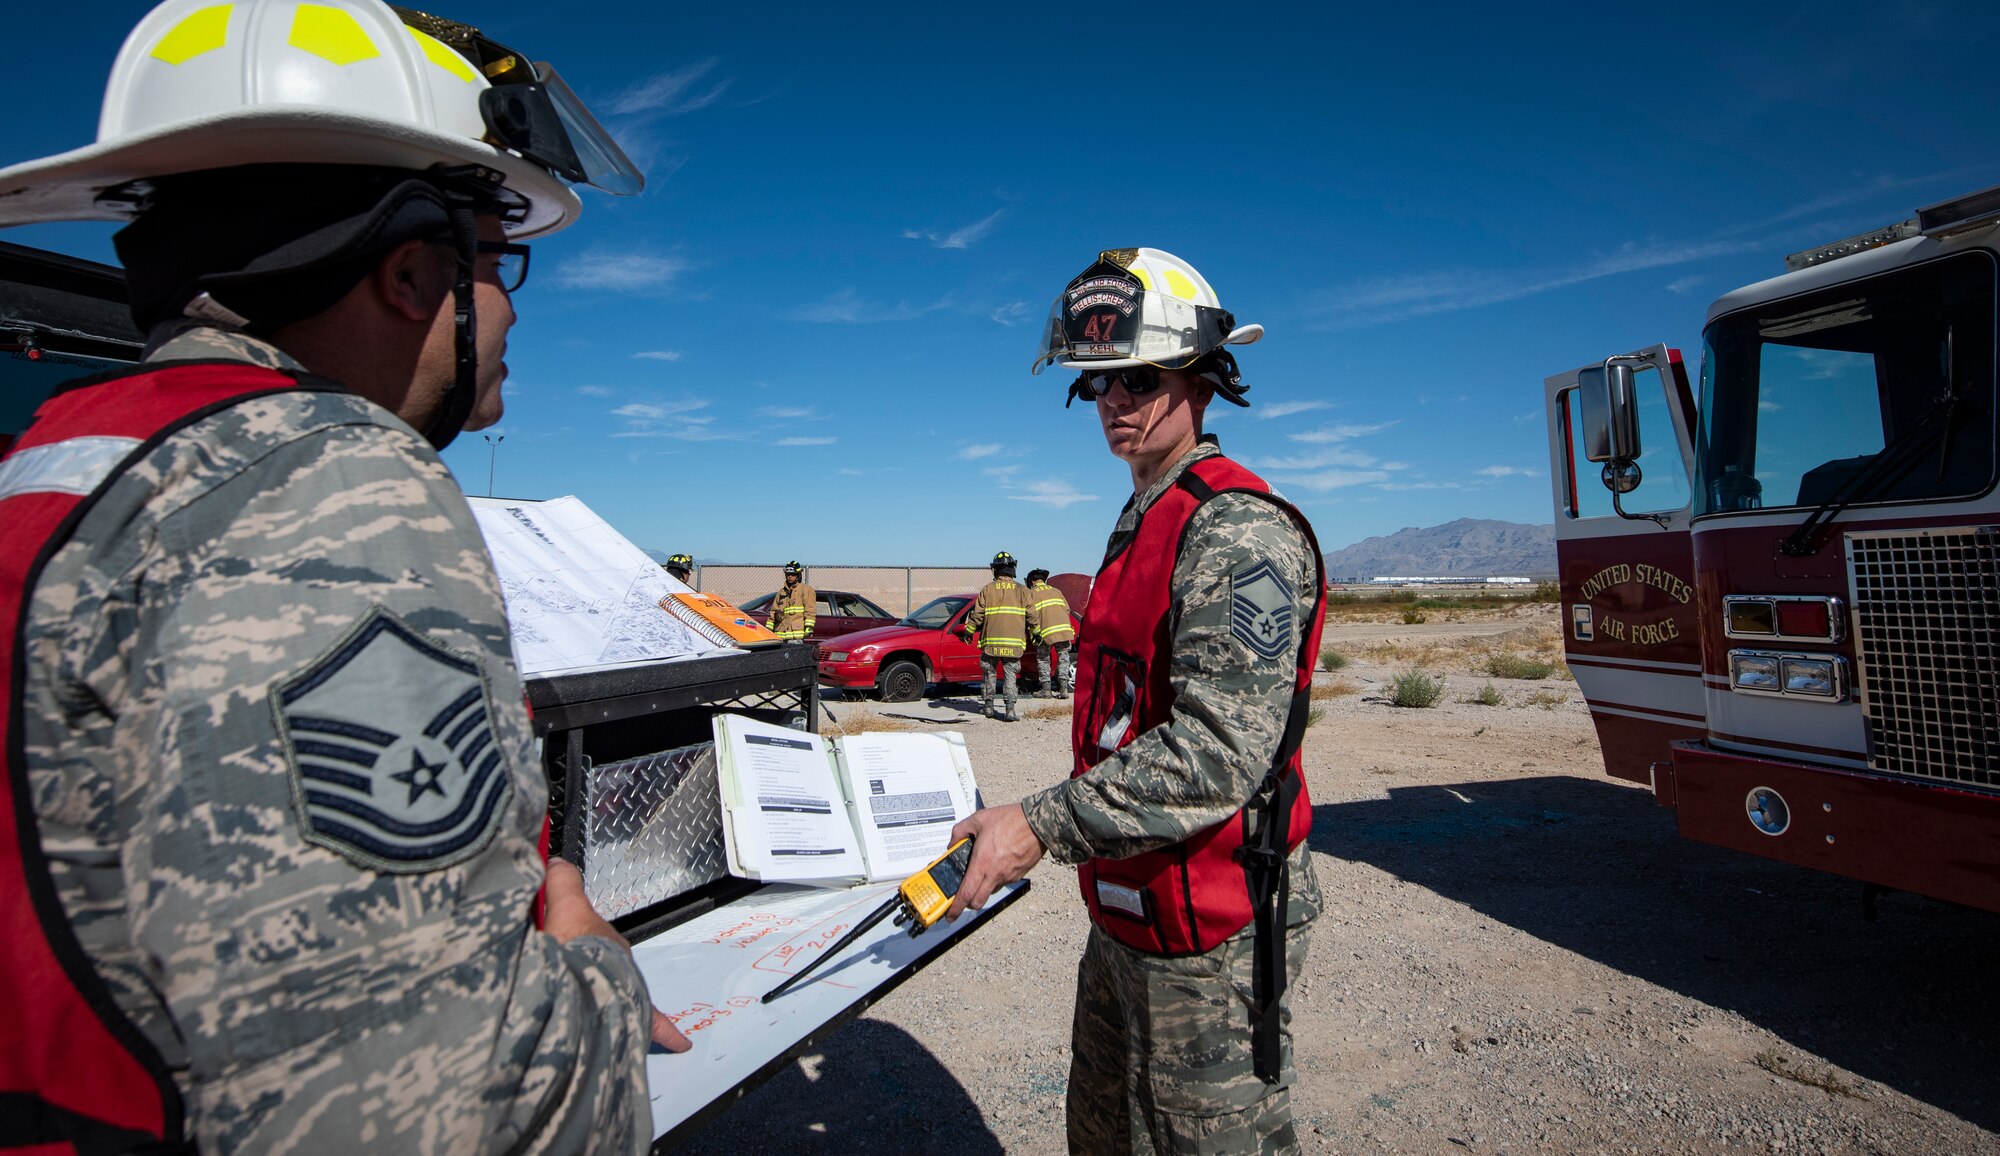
(785, 815)
(578, 592)
(909, 790)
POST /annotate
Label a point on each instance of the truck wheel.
(901, 682)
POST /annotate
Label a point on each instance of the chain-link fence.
(897, 589)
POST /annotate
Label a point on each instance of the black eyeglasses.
(1139, 380)
(510, 259)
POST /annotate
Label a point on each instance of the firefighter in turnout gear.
(998, 622)
(272, 799)
(1051, 631)
(791, 614)
(681, 566)
(1186, 810)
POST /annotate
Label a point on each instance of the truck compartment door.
(1631, 628)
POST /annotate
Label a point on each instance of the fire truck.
(1781, 581)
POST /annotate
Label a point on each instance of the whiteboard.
(711, 973)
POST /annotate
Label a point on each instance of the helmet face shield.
(530, 110)
(1107, 314)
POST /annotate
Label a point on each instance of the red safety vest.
(1190, 897)
(76, 1075)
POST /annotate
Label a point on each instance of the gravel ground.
(1519, 955)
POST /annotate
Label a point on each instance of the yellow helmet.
(200, 85)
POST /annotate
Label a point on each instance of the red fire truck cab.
(1781, 583)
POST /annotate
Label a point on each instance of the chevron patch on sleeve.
(1260, 610)
(391, 751)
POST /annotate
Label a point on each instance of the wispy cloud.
(1682, 286)
(1060, 495)
(678, 419)
(671, 93)
(594, 390)
(1325, 480)
(973, 453)
(1376, 300)
(1505, 472)
(1011, 313)
(1321, 460)
(806, 441)
(849, 307)
(791, 413)
(658, 355)
(1344, 431)
(963, 237)
(1288, 408)
(1002, 471)
(620, 272)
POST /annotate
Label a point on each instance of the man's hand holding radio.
(1004, 849)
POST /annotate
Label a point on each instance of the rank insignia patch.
(1260, 610)
(392, 752)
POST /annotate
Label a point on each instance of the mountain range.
(1466, 548)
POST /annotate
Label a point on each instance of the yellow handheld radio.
(921, 901)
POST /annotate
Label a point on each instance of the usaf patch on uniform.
(391, 749)
(1260, 609)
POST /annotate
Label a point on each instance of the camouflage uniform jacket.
(307, 996)
(1000, 615)
(1230, 704)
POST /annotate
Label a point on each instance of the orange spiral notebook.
(718, 621)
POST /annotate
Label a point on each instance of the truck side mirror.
(1610, 413)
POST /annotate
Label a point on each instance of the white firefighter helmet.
(200, 85)
(1138, 307)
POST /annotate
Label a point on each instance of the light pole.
(492, 451)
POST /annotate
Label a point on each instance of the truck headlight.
(1812, 676)
(1754, 672)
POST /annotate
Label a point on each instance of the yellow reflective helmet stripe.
(332, 34)
(441, 54)
(203, 30)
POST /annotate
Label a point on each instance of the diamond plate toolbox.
(652, 828)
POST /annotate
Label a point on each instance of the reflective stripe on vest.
(1188, 897)
(76, 1072)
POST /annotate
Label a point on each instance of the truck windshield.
(935, 614)
(1798, 396)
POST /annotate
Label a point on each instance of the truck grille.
(1927, 640)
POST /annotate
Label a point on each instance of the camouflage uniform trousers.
(1008, 670)
(1058, 668)
(1160, 1055)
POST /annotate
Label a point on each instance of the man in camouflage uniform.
(1162, 1056)
(280, 761)
(998, 621)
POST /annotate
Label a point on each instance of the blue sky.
(810, 336)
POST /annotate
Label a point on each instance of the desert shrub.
(1545, 592)
(1342, 598)
(1413, 616)
(1546, 699)
(1414, 688)
(1489, 695)
(1314, 714)
(1332, 690)
(1332, 660)
(1518, 666)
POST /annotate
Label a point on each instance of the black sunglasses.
(1139, 380)
(512, 262)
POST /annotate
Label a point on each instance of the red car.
(899, 662)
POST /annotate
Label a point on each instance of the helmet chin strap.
(456, 407)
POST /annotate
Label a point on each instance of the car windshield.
(935, 614)
(1800, 396)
